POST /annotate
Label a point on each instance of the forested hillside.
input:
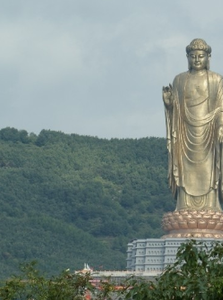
(69, 199)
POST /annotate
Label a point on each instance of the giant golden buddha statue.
(194, 120)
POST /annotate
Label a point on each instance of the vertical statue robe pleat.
(193, 120)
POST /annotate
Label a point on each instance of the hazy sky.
(97, 67)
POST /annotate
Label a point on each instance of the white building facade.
(154, 255)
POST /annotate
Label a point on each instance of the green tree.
(31, 284)
(197, 274)
(96, 191)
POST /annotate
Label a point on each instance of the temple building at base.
(153, 255)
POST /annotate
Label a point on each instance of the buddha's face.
(198, 60)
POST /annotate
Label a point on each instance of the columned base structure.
(154, 255)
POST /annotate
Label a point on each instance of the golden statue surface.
(194, 122)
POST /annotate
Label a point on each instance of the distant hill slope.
(69, 199)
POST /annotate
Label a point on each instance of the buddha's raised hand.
(168, 95)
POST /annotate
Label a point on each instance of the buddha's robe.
(193, 122)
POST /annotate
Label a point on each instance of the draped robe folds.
(193, 121)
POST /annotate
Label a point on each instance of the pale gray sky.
(96, 67)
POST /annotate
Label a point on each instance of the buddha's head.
(198, 55)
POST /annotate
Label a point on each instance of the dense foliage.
(33, 285)
(69, 199)
(196, 275)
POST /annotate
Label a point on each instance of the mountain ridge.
(97, 193)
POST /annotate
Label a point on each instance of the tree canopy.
(68, 199)
(197, 274)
